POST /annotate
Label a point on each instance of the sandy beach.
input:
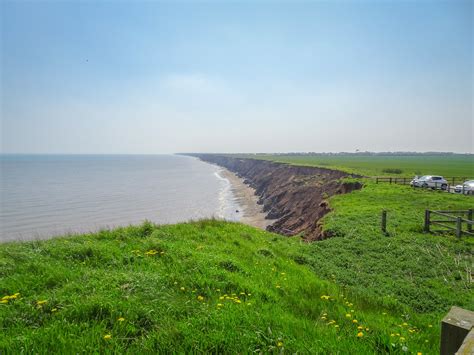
(252, 213)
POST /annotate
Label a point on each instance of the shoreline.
(251, 213)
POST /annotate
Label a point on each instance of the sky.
(255, 76)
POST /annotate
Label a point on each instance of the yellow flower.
(324, 297)
(323, 318)
(336, 326)
(4, 301)
(279, 344)
(405, 324)
(348, 315)
(352, 311)
(121, 319)
(430, 326)
(278, 286)
(107, 337)
(182, 288)
(402, 339)
(360, 327)
(6, 298)
(419, 353)
(392, 335)
(54, 310)
(221, 298)
(354, 321)
(151, 252)
(40, 303)
(219, 305)
(360, 335)
(366, 329)
(237, 301)
(200, 298)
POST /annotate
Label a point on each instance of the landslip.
(296, 196)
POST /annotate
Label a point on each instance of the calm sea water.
(48, 195)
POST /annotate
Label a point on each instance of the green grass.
(274, 299)
(457, 165)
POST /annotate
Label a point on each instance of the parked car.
(431, 181)
(467, 188)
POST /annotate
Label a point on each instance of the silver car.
(466, 188)
(431, 181)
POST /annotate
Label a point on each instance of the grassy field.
(458, 165)
(219, 287)
(208, 286)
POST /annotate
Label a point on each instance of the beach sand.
(252, 213)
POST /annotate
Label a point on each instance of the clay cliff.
(296, 196)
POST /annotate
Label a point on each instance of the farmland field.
(459, 165)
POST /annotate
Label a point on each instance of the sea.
(42, 196)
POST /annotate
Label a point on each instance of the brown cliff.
(296, 196)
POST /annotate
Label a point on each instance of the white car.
(466, 188)
(432, 181)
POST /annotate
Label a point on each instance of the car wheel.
(444, 187)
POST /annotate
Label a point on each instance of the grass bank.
(208, 286)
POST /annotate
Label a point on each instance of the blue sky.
(264, 76)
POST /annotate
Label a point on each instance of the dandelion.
(151, 252)
(242, 293)
(405, 324)
(107, 337)
(323, 318)
(219, 305)
(348, 315)
(249, 294)
(336, 326)
(249, 304)
(419, 353)
(200, 298)
(360, 335)
(40, 303)
(354, 321)
(218, 289)
(182, 288)
(4, 301)
(430, 326)
(5, 298)
(121, 319)
(324, 297)
(392, 335)
(279, 344)
(352, 311)
(366, 329)
(402, 339)
(360, 327)
(221, 298)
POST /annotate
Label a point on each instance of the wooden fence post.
(427, 221)
(458, 226)
(376, 180)
(384, 222)
(390, 180)
(469, 218)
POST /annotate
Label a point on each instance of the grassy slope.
(455, 165)
(89, 282)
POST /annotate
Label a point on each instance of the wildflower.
(218, 289)
(360, 335)
(325, 314)
(221, 298)
(175, 282)
(237, 301)
(283, 273)
(182, 288)
(360, 327)
(336, 326)
(5, 298)
(54, 310)
(219, 305)
(151, 252)
(352, 311)
(354, 321)
(324, 297)
(40, 303)
(392, 335)
(348, 315)
(4, 301)
(430, 326)
(419, 353)
(121, 319)
(402, 339)
(411, 330)
(323, 318)
(107, 337)
(366, 329)
(162, 252)
(249, 304)
(200, 298)
(242, 293)
(278, 286)
(405, 324)
(279, 344)
(249, 294)
(332, 321)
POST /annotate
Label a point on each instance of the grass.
(212, 286)
(207, 286)
(456, 165)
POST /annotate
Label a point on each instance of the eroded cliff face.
(296, 196)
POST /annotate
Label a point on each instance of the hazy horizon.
(163, 78)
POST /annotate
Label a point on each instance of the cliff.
(296, 196)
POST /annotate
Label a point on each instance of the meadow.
(207, 286)
(456, 165)
(220, 287)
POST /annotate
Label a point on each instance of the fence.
(453, 220)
